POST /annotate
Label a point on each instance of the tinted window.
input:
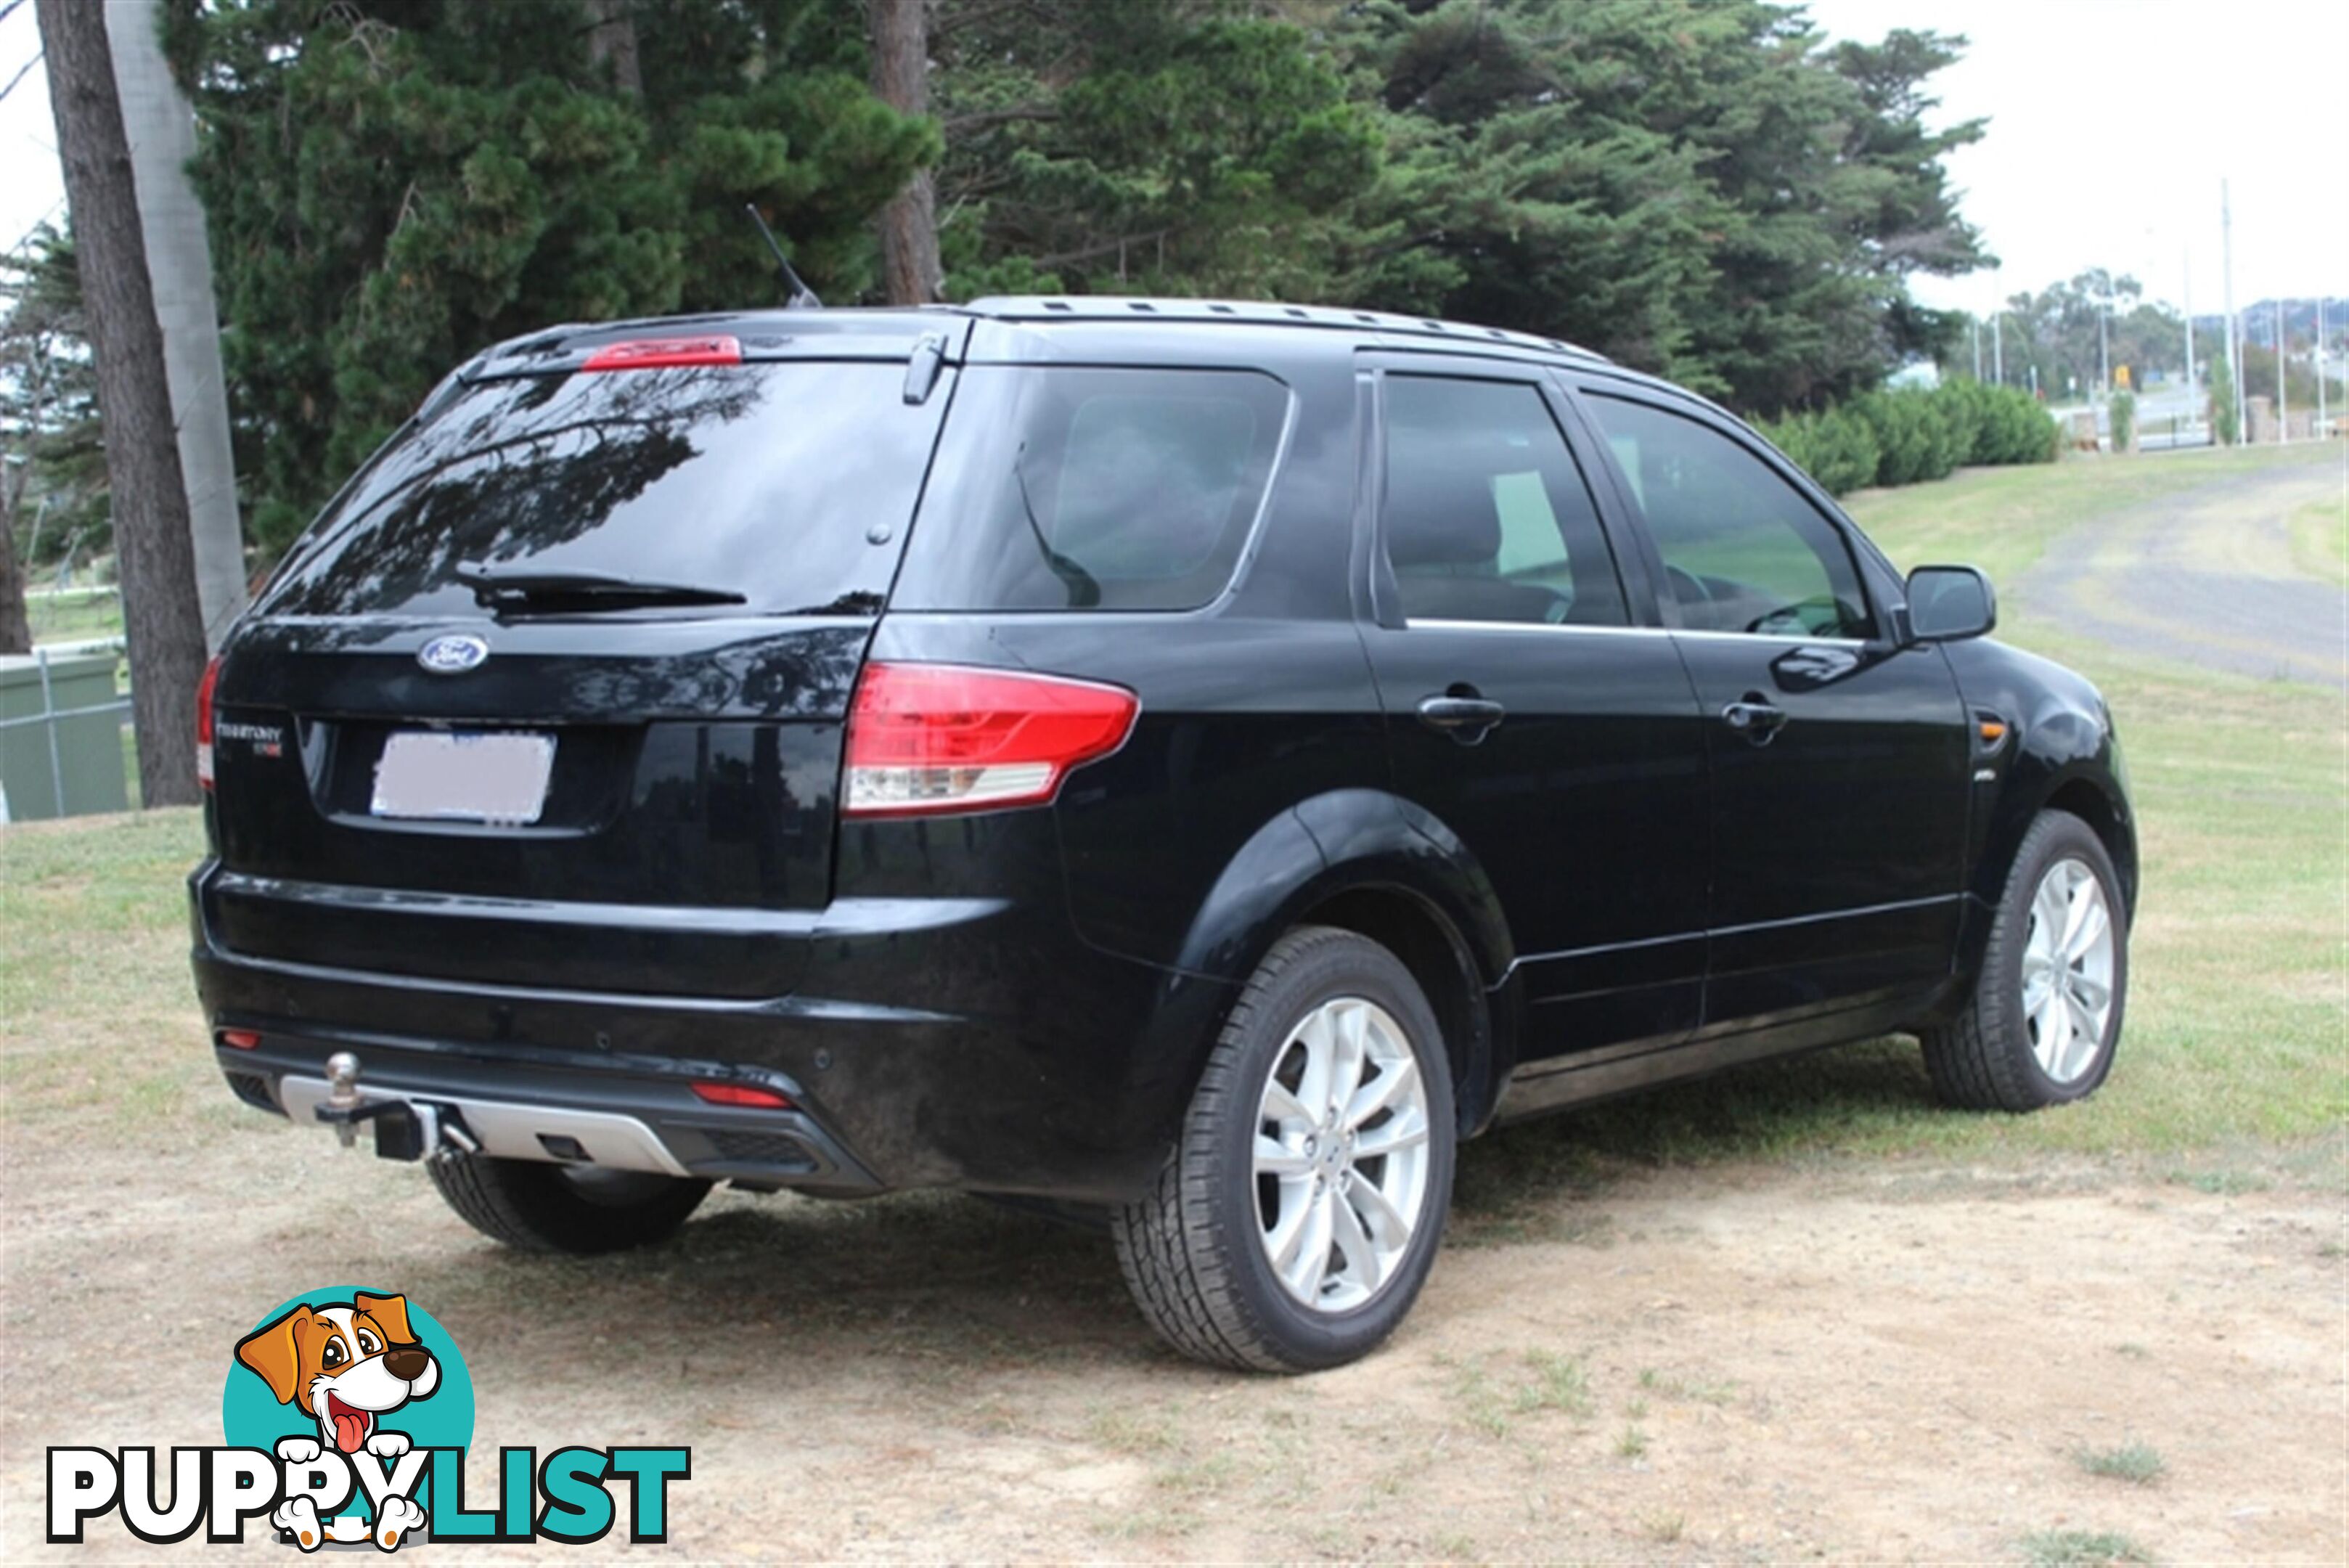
(758, 479)
(1486, 516)
(1742, 550)
(1083, 489)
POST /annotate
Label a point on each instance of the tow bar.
(404, 1130)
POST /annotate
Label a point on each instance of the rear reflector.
(243, 1039)
(204, 723)
(662, 353)
(742, 1095)
(925, 739)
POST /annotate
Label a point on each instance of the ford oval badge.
(452, 655)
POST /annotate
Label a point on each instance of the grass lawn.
(2319, 542)
(2234, 1067)
(74, 614)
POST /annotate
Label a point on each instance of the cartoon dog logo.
(346, 1365)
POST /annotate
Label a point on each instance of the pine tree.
(393, 184)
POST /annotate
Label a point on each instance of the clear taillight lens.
(204, 723)
(935, 738)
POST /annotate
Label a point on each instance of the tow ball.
(404, 1130)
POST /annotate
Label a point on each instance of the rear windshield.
(1063, 488)
(792, 485)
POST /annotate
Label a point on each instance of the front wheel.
(2045, 1014)
(1302, 1209)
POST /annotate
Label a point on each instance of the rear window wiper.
(526, 590)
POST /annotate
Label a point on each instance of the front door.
(1535, 710)
(1839, 761)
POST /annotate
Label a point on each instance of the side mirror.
(1949, 604)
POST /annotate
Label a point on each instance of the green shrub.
(1900, 438)
(1832, 445)
(2122, 413)
(2013, 428)
(1914, 439)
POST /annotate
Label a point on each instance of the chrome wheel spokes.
(1340, 1155)
(2068, 958)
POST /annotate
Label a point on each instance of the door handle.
(1756, 718)
(1463, 715)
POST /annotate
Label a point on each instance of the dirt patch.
(1852, 1363)
(2206, 577)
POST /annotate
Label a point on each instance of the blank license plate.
(464, 778)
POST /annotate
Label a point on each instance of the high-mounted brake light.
(204, 723)
(924, 739)
(663, 353)
(742, 1095)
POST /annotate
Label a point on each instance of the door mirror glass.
(1949, 604)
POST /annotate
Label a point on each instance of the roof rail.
(1116, 307)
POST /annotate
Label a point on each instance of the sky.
(2111, 124)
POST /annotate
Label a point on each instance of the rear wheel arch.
(1372, 863)
(1431, 947)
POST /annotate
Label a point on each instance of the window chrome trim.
(1427, 623)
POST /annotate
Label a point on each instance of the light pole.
(2187, 260)
(2283, 412)
(2103, 352)
(2234, 331)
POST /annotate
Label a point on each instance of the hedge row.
(1901, 437)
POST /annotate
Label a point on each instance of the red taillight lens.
(928, 738)
(204, 723)
(662, 353)
(243, 1039)
(743, 1095)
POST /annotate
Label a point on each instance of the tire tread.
(1974, 1060)
(1178, 1264)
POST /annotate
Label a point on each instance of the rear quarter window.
(1069, 489)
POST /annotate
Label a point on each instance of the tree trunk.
(149, 502)
(910, 270)
(612, 39)
(160, 126)
(16, 627)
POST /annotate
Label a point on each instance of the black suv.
(1197, 761)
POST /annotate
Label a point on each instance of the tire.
(1195, 1250)
(1989, 1057)
(539, 1207)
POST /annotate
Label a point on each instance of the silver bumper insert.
(511, 1131)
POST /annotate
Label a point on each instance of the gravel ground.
(2206, 577)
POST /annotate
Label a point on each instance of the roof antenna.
(802, 296)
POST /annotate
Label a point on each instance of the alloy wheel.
(2067, 970)
(1340, 1155)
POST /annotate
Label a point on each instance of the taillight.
(932, 738)
(742, 1095)
(662, 353)
(204, 723)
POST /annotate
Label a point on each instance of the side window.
(1486, 516)
(1742, 550)
(1067, 488)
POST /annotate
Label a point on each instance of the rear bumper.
(576, 1114)
(958, 1043)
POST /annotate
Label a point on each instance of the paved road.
(2206, 577)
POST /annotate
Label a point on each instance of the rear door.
(1532, 707)
(1839, 760)
(570, 786)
